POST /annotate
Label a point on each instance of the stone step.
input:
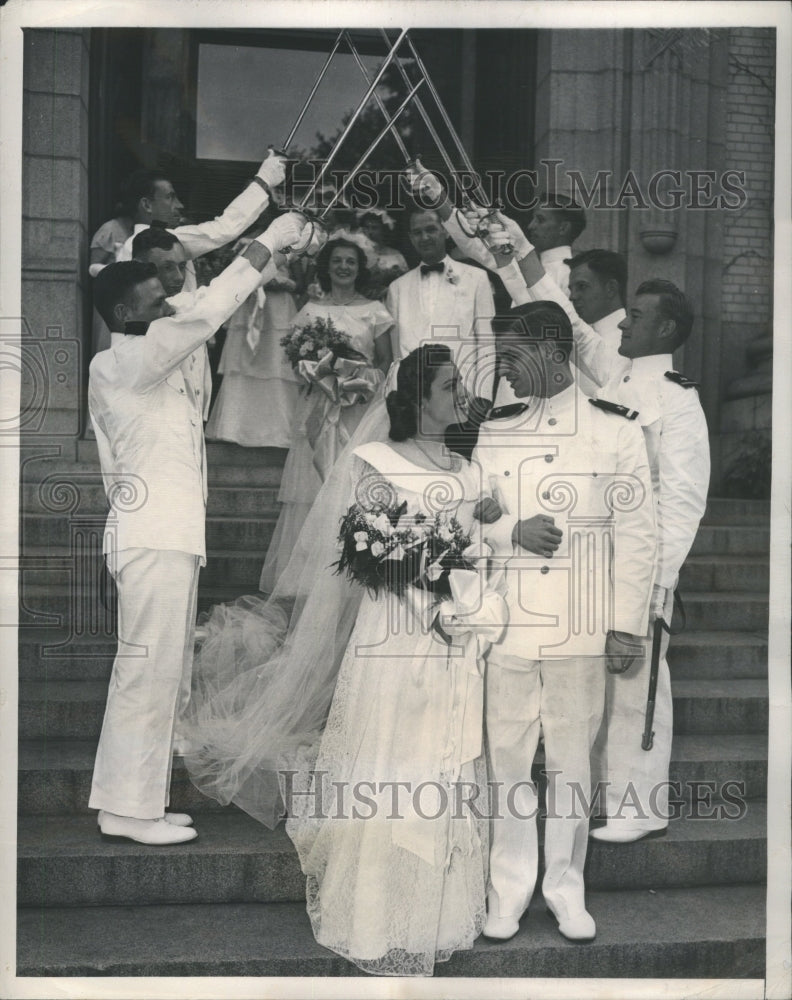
(73, 710)
(727, 539)
(712, 932)
(725, 510)
(217, 453)
(725, 573)
(715, 611)
(723, 655)
(62, 861)
(49, 654)
(700, 573)
(55, 775)
(223, 501)
(59, 601)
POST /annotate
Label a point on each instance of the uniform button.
(548, 458)
(545, 569)
(626, 378)
(546, 495)
(594, 474)
(507, 473)
(552, 421)
(197, 392)
(181, 391)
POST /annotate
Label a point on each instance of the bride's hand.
(487, 510)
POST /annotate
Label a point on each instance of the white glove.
(315, 235)
(425, 185)
(522, 245)
(659, 598)
(273, 170)
(286, 231)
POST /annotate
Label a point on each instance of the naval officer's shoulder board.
(608, 407)
(681, 380)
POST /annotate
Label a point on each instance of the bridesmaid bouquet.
(384, 548)
(315, 341)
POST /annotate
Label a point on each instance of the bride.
(362, 714)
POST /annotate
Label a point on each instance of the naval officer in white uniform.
(642, 378)
(577, 536)
(149, 432)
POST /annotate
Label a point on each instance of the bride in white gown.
(386, 792)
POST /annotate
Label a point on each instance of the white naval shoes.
(155, 832)
(497, 927)
(574, 923)
(614, 833)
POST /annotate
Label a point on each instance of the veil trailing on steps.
(264, 676)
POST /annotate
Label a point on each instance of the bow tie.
(439, 267)
(510, 410)
(135, 328)
(158, 224)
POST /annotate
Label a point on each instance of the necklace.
(435, 460)
(337, 301)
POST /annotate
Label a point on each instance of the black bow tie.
(510, 410)
(439, 267)
(158, 224)
(135, 328)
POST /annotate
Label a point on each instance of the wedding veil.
(264, 676)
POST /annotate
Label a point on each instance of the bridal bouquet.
(384, 548)
(317, 340)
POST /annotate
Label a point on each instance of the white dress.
(363, 322)
(395, 895)
(259, 395)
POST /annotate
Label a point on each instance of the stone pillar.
(54, 233)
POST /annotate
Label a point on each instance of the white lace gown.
(363, 322)
(396, 874)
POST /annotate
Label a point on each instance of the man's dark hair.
(140, 184)
(537, 321)
(673, 305)
(569, 212)
(606, 264)
(415, 208)
(115, 283)
(153, 238)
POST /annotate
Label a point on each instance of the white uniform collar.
(652, 365)
(610, 321)
(558, 413)
(555, 255)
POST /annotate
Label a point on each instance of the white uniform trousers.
(635, 780)
(566, 698)
(150, 681)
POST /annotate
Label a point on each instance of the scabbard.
(654, 669)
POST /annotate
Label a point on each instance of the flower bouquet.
(316, 340)
(384, 548)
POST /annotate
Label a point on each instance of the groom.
(577, 538)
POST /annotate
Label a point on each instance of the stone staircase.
(691, 904)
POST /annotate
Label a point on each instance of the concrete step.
(73, 710)
(733, 612)
(723, 655)
(226, 501)
(63, 862)
(725, 573)
(217, 453)
(49, 654)
(713, 932)
(225, 532)
(728, 511)
(722, 706)
(727, 539)
(55, 775)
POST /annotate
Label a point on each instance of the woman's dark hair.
(323, 264)
(416, 374)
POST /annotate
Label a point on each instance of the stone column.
(54, 233)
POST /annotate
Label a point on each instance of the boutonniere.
(451, 276)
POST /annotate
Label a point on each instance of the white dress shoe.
(574, 924)
(614, 833)
(178, 819)
(155, 832)
(500, 928)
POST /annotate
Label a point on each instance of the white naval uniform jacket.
(674, 426)
(148, 424)
(454, 308)
(200, 239)
(588, 470)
